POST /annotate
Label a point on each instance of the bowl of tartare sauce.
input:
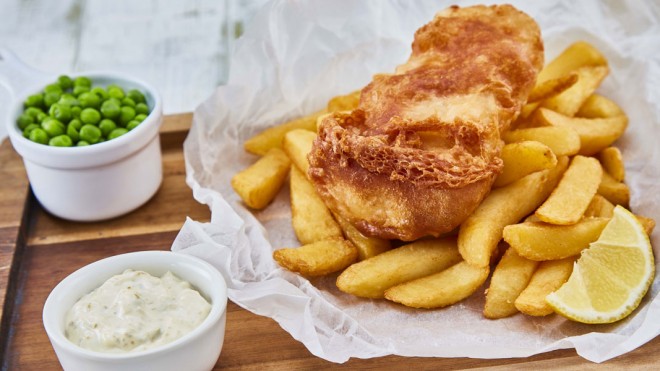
(147, 310)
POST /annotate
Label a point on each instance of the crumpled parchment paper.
(292, 58)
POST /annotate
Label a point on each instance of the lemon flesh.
(611, 277)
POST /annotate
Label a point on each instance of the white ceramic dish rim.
(128, 261)
(97, 154)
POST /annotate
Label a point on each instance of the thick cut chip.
(577, 55)
(368, 247)
(568, 202)
(523, 158)
(612, 275)
(597, 106)
(569, 101)
(318, 258)
(595, 134)
(441, 289)
(563, 141)
(509, 279)
(543, 241)
(599, 207)
(482, 230)
(370, 278)
(311, 219)
(272, 137)
(617, 193)
(297, 144)
(612, 162)
(258, 184)
(549, 276)
(552, 87)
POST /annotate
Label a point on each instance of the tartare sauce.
(135, 311)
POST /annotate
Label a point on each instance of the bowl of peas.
(89, 143)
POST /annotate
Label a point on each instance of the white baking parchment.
(293, 57)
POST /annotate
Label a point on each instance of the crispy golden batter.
(422, 149)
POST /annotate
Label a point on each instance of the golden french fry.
(567, 203)
(595, 134)
(599, 207)
(647, 223)
(523, 158)
(480, 232)
(272, 137)
(258, 184)
(526, 111)
(346, 102)
(549, 277)
(370, 278)
(318, 258)
(541, 241)
(563, 141)
(367, 246)
(570, 100)
(612, 162)
(617, 193)
(552, 87)
(297, 144)
(509, 278)
(311, 219)
(441, 289)
(577, 55)
(597, 106)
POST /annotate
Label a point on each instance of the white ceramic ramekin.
(99, 181)
(197, 350)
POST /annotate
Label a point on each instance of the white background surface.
(180, 47)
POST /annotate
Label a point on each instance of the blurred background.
(180, 47)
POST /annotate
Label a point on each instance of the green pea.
(90, 116)
(140, 117)
(75, 111)
(128, 102)
(60, 141)
(82, 143)
(32, 112)
(117, 133)
(136, 95)
(69, 100)
(53, 127)
(111, 109)
(53, 88)
(82, 81)
(132, 125)
(89, 99)
(127, 114)
(79, 89)
(34, 100)
(90, 134)
(142, 108)
(38, 135)
(51, 98)
(41, 116)
(107, 126)
(28, 130)
(73, 133)
(24, 120)
(61, 112)
(101, 93)
(65, 82)
(75, 123)
(115, 91)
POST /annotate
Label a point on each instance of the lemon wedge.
(611, 277)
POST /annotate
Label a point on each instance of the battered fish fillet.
(422, 149)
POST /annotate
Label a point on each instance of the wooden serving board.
(38, 250)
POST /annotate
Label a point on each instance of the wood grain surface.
(52, 248)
